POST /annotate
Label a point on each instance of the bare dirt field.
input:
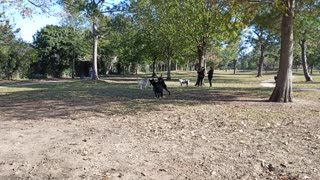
(182, 136)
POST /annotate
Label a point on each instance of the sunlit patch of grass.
(5, 89)
(300, 82)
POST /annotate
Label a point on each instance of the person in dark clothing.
(200, 78)
(210, 76)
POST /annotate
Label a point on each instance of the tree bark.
(261, 60)
(169, 57)
(201, 47)
(303, 46)
(169, 69)
(201, 50)
(95, 52)
(283, 89)
(154, 67)
(234, 66)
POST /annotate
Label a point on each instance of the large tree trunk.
(169, 58)
(303, 46)
(261, 60)
(201, 56)
(283, 90)
(201, 53)
(95, 52)
(169, 69)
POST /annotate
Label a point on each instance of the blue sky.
(29, 26)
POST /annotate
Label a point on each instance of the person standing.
(210, 76)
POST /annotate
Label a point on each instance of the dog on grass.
(143, 83)
(184, 81)
(157, 88)
(161, 81)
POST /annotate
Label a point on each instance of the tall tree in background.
(58, 47)
(264, 28)
(93, 10)
(307, 30)
(15, 55)
(156, 18)
(208, 23)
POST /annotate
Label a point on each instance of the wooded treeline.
(153, 35)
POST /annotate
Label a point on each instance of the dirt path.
(223, 141)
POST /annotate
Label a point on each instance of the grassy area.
(124, 90)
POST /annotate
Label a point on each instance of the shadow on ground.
(61, 99)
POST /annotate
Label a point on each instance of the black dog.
(157, 88)
(161, 81)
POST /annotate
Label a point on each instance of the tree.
(27, 7)
(93, 10)
(19, 55)
(155, 18)
(307, 30)
(229, 54)
(264, 32)
(283, 89)
(57, 47)
(12, 51)
(208, 23)
(128, 41)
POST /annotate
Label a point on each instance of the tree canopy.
(186, 32)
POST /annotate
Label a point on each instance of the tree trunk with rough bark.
(283, 89)
(201, 50)
(303, 45)
(261, 60)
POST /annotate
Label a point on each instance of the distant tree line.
(155, 35)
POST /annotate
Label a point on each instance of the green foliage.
(15, 56)
(57, 47)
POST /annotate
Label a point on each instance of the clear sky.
(29, 26)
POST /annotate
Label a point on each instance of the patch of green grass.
(123, 96)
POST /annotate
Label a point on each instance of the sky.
(29, 26)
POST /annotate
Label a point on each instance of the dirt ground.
(240, 139)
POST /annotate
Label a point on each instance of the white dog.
(184, 81)
(143, 83)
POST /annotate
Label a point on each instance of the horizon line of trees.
(184, 33)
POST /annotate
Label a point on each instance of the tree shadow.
(63, 100)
